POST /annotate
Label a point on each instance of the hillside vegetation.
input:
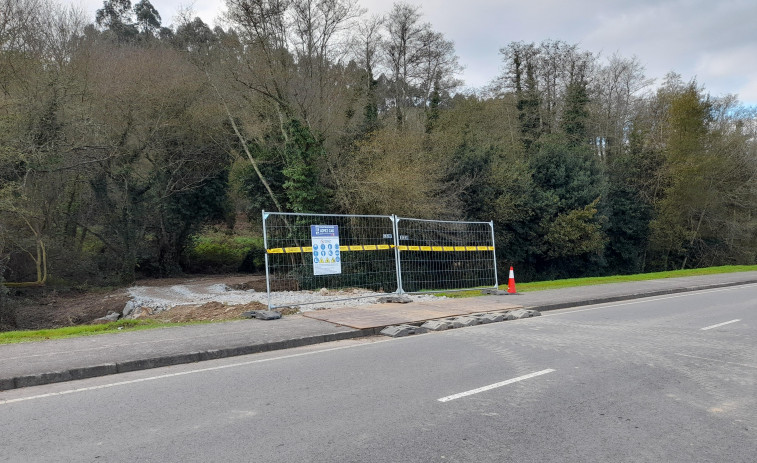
(122, 141)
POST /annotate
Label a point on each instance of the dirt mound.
(210, 311)
(52, 309)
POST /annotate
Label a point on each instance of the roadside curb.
(193, 357)
(174, 359)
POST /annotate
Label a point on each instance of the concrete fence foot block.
(437, 325)
(520, 313)
(525, 313)
(491, 317)
(262, 314)
(462, 322)
(494, 292)
(394, 299)
(398, 331)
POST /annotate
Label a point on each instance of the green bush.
(221, 253)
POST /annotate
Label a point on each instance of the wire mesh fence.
(439, 255)
(354, 252)
(372, 253)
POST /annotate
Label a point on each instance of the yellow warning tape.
(446, 248)
(382, 247)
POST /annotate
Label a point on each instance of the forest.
(122, 142)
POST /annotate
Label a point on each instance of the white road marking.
(172, 375)
(495, 385)
(719, 324)
(716, 360)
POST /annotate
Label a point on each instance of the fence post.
(494, 256)
(265, 251)
(398, 266)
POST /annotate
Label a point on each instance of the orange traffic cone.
(511, 282)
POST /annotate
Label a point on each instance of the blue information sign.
(325, 237)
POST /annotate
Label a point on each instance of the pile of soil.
(210, 311)
(54, 309)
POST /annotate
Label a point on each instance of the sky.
(712, 41)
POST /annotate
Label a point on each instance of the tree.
(704, 216)
(543, 77)
(366, 45)
(116, 17)
(7, 313)
(570, 183)
(303, 187)
(616, 90)
(418, 59)
(148, 18)
(575, 117)
(392, 173)
(630, 199)
(38, 44)
(520, 78)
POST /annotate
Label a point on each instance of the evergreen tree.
(575, 117)
(302, 154)
(528, 111)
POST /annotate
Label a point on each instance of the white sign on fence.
(326, 255)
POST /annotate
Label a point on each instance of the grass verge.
(12, 337)
(590, 281)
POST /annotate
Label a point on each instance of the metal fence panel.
(436, 255)
(365, 253)
(383, 254)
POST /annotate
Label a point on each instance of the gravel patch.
(159, 299)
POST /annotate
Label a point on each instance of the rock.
(394, 299)
(111, 317)
(130, 307)
(218, 288)
(323, 292)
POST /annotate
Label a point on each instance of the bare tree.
(402, 50)
(617, 89)
(366, 45)
(419, 59)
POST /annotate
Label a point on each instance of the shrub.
(221, 253)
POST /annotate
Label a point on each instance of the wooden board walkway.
(381, 315)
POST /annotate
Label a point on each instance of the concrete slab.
(378, 316)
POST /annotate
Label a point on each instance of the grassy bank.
(571, 282)
(590, 281)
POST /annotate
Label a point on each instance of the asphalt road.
(662, 379)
